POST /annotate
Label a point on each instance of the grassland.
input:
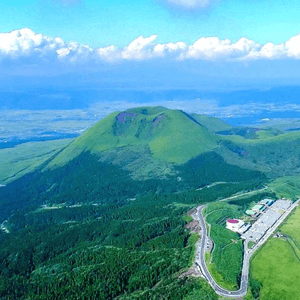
(292, 226)
(211, 123)
(278, 269)
(218, 277)
(276, 156)
(277, 265)
(16, 162)
(250, 245)
(181, 139)
(287, 187)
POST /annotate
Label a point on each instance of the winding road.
(201, 246)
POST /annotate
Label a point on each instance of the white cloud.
(288, 49)
(63, 52)
(140, 48)
(164, 49)
(293, 47)
(214, 48)
(109, 53)
(269, 51)
(74, 52)
(25, 43)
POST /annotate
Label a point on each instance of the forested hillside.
(87, 228)
(106, 217)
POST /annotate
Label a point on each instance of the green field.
(292, 226)
(278, 269)
(17, 161)
(277, 265)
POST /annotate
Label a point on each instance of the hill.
(172, 136)
(158, 139)
(275, 156)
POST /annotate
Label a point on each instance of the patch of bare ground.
(193, 271)
(193, 226)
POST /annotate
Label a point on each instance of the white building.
(234, 224)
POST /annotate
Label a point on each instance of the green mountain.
(170, 135)
(159, 139)
(105, 216)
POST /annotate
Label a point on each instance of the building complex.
(266, 213)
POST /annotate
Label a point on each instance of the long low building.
(250, 212)
(257, 208)
(266, 220)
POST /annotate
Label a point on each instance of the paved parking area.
(266, 220)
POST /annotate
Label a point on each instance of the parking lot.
(266, 220)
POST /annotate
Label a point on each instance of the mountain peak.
(171, 135)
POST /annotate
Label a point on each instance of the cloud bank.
(26, 44)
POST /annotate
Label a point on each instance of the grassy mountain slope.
(276, 156)
(149, 142)
(286, 187)
(212, 123)
(171, 135)
(251, 132)
(181, 139)
(17, 161)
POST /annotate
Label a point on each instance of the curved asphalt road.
(200, 261)
(200, 255)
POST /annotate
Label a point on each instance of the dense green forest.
(76, 231)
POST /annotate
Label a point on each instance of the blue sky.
(149, 44)
(103, 22)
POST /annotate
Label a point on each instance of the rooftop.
(267, 220)
(257, 206)
(232, 221)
